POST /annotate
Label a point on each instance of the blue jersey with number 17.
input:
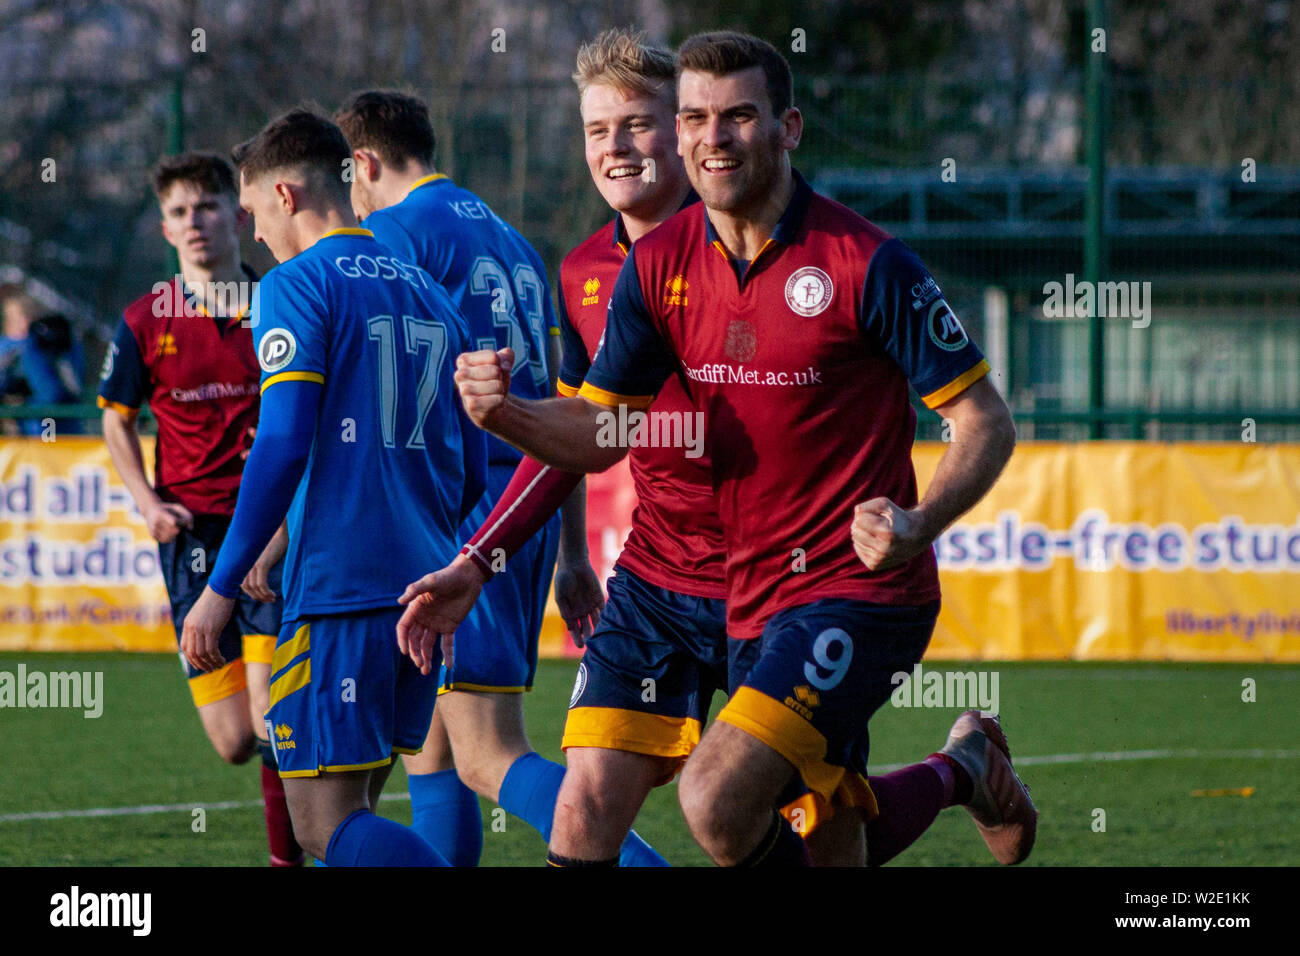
(395, 465)
(491, 272)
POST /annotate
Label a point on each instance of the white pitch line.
(1100, 756)
(149, 808)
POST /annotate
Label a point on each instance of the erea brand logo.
(277, 350)
(675, 290)
(945, 331)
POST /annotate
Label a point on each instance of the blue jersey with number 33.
(395, 465)
(491, 272)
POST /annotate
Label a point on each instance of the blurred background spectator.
(41, 363)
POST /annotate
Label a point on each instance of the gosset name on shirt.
(380, 267)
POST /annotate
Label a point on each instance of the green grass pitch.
(1076, 726)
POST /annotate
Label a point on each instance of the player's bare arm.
(163, 518)
(560, 432)
(578, 594)
(255, 582)
(983, 436)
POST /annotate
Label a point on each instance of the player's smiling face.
(631, 148)
(733, 145)
(202, 226)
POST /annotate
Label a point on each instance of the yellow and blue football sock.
(532, 787)
(446, 813)
(364, 839)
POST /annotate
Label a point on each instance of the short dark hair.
(726, 52)
(208, 171)
(393, 123)
(302, 139)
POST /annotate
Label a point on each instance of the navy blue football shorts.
(496, 646)
(649, 672)
(813, 679)
(185, 562)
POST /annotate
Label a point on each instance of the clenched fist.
(885, 535)
(483, 379)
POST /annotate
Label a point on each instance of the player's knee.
(235, 747)
(702, 802)
(314, 839)
(482, 779)
(715, 808)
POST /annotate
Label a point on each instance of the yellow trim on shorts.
(614, 728)
(789, 734)
(286, 652)
(338, 768)
(290, 682)
(565, 390)
(259, 648)
(219, 684)
(407, 751)
(957, 385)
(809, 811)
(482, 689)
(316, 377)
(613, 399)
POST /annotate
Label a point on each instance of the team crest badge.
(809, 291)
(579, 685)
(742, 341)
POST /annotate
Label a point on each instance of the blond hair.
(622, 59)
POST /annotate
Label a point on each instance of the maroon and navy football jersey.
(201, 379)
(676, 540)
(801, 360)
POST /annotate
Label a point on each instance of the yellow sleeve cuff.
(601, 397)
(316, 377)
(958, 385)
(126, 411)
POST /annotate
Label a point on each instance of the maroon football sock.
(909, 800)
(285, 850)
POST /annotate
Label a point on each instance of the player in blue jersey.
(477, 743)
(363, 444)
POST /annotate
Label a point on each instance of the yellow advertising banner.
(78, 570)
(1097, 551)
(1126, 551)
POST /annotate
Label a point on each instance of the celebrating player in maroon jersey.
(798, 326)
